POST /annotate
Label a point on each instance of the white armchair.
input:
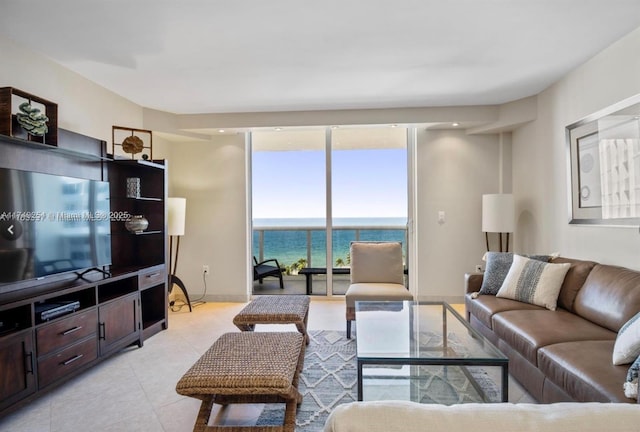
(377, 274)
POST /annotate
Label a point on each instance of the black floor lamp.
(177, 213)
(498, 216)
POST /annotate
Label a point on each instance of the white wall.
(540, 164)
(454, 170)
(212, 177)
(83, 106)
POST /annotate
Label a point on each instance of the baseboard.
(448, 299)
(218, 298)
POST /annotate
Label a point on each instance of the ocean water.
(286, 239)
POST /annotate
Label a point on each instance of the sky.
(366, 183)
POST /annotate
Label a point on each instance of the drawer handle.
(101, 332)
(152, 275)
(72, 359)
(30, 363)
(71, 330)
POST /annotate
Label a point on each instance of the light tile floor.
(135, 389)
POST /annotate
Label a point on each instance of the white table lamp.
(498, 216)
(177, 211)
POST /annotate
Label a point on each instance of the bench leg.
(289, 424)
(348, 329)
(203, 415)
(302, 328)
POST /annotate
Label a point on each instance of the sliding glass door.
(314, 191)
(288, 205)
(368, 191)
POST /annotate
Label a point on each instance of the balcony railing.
(305, 246)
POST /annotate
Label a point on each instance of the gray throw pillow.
(498, 265)
(631, 383)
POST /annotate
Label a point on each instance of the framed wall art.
(131, 143)
(604, 166)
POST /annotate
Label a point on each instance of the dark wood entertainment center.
(123, 306)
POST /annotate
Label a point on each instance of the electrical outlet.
(205, 269)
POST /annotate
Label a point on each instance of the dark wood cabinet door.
(17, 377)
(119, 323)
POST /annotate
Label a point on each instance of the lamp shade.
(177, 213)
(498, 213)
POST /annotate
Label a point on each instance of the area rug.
(329, 379)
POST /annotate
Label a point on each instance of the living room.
(211, 174)
(519, 146)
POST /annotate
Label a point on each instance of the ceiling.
(235, 56)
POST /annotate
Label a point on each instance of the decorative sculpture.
(32, 120)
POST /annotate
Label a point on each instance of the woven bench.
(275, 309)
(247, 367)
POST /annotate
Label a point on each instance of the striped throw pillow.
(535, 282)
(498, 265)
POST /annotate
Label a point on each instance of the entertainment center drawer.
(66, 331)
(152, 278)
(66, 361)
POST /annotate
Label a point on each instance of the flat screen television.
(51, 224)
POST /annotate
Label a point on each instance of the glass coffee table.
(425, 352)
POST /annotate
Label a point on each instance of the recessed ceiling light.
(455, 124)
(394, 125)
(278, 128)
(221, 130)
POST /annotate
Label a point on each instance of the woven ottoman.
(247, 367)
(275, 309)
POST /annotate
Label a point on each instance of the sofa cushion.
(573, 281)
(498, 265)
(378, 262)
(627, 347)
(534, 282)
(376, 292)
(483, 307)
(528, 330)
(610, 296)
(392, 416)
(584, 370)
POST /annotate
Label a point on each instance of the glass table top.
(409, 330)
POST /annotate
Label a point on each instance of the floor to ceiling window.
(314, 191)
(368, 190)
(288, 202)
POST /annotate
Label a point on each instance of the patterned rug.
(329, 379)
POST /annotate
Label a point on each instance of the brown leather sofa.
(566, 354)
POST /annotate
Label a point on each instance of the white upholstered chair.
(377, 274)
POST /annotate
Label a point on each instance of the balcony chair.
(377, 274)
(262, 270)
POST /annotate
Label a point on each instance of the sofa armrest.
(472, 282)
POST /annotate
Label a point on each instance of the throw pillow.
(533, 281)
(631, 384)
(627, 346)
(498, 265)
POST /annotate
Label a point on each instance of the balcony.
(296, 247)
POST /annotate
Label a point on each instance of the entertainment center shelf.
(56, 327)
